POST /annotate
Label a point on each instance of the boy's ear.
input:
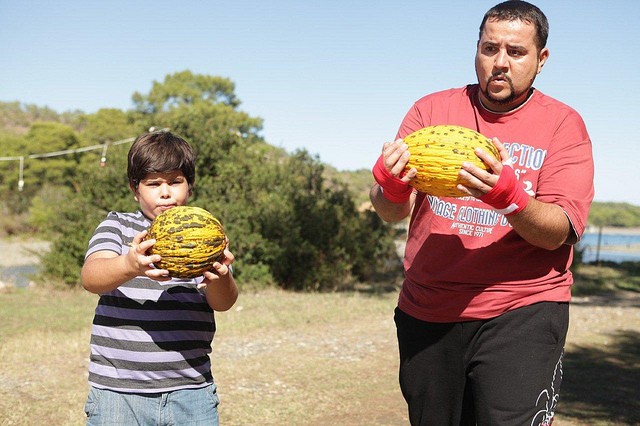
(135, 193)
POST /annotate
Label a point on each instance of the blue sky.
(333, 77)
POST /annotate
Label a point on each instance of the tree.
(36, 169)
(186, 88)
(287, 223)
(108, 125)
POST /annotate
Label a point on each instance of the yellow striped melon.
(437, 153)
(188, 239)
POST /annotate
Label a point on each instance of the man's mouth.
(500, 78)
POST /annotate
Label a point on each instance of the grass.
(299, 359)
(606, 277)
(43, 355)
(309, 359)
(278, 358)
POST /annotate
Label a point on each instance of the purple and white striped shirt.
(147, 336)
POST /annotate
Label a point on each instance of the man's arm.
(543, 225)
(387, 210)
(391, 196)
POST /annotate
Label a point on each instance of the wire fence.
(103, 159)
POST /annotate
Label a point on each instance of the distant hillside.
(615, 214)
(622, 215)
(359, 182)
(16, 118)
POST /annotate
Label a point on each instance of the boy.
(151, 334)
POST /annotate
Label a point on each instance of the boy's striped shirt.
(148, 336)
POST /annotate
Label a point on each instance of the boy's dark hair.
(513, 10)
(160, 152)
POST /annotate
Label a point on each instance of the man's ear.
(542, 59)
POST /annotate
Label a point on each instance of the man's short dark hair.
(513, 10)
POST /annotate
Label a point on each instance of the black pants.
(502, 371)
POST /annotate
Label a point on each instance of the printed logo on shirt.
(525, 158)
(480, 220)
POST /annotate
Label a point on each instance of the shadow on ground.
(603, 384)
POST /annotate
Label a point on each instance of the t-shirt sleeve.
(107, 236)
(567, 178)
(412, 121)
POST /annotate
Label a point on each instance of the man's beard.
(512, 96)
(503, 101)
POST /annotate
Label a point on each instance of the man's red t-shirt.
(463, 261)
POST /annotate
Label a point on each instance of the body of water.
(19, 275)
(618, 247)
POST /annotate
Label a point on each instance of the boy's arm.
(222, 291)
(104, 270)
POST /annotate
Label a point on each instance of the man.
(483, 311)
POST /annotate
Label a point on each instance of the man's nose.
(502, 60)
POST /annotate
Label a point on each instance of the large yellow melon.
(189, 240)
(437, 153)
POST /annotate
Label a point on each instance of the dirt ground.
(602, 361)
(305, 359)
(14, 252)
(601, 367)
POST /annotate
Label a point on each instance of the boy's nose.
(164, 190)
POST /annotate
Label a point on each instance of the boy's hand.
(220, 286)
(139, 261)
(220, 268)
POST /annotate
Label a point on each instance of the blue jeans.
(180, 407)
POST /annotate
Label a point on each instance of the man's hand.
(389, 172)
(499, 188)
(479, 181)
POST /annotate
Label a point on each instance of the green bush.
(71, 228)
(288, 224)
